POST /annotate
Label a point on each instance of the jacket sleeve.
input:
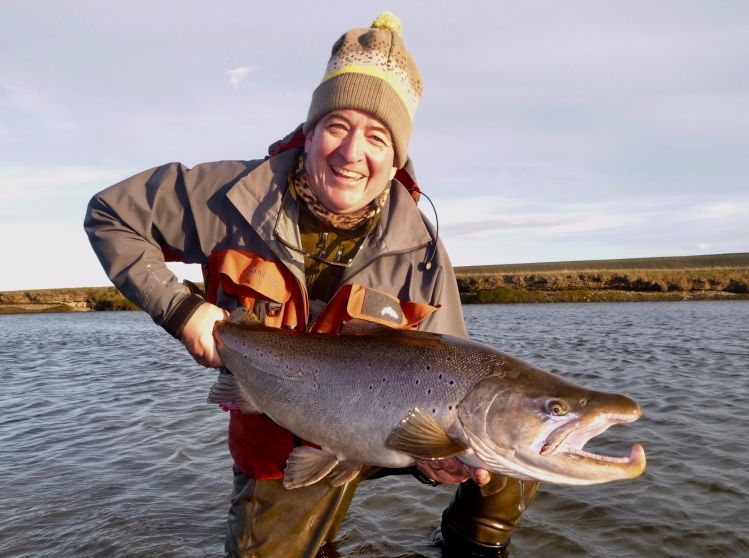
(449, 318)
(156, 216)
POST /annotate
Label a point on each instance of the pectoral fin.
(419, 435)
(306, 466)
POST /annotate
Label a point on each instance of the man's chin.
(343, 204)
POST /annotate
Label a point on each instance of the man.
(317, 234)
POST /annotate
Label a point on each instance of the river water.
(107, 447)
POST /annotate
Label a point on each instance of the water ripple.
(108, 447)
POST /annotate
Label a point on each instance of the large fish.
(389, 397)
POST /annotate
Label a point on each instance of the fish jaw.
(567, 464)
(565, 444)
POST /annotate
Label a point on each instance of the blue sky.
(548, 130)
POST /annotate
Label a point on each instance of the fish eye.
(556, 408)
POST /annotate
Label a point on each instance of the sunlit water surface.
(107, 447)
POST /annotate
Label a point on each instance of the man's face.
(350, 159)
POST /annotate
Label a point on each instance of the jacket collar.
(259, 197)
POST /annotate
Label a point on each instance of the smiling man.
(323, 231)
(350, 160)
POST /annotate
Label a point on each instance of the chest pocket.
(252, 279)
(359, 302)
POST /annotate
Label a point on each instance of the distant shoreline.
(712, 277)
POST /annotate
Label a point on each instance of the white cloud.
(55, 253)
(237, 75)
(722, 210)
(48, 253)
(480, 216)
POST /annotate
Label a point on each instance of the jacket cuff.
(421, 477)
(184, 310)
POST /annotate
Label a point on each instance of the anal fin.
(344, 472)
(306, 466)
(419, 435)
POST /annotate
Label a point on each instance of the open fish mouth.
(570, 438)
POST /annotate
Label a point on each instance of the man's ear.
(392, 172)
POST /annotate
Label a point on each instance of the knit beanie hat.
(371, 70)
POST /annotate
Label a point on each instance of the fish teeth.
(597, 457)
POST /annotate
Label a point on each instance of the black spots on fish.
(452, 382)
(440, 376)
(429, 390)
(434, 411)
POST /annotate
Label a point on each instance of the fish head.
(527, 423)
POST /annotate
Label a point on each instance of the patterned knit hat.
(371, 70)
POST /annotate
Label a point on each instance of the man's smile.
(345, 173)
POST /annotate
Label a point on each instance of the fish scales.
(300, 383)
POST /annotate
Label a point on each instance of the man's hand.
(452, 470)
(197, 335)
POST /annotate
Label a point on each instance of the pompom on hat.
(371, 70)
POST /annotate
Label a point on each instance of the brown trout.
(389, 397)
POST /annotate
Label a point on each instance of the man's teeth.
(347, 173)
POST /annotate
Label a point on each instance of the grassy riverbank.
(715, 277)
(63, 300)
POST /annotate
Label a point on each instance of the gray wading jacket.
(176, 213)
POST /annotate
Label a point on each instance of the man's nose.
(352, 146)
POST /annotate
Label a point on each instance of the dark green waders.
(268, 521)
(478, 526)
